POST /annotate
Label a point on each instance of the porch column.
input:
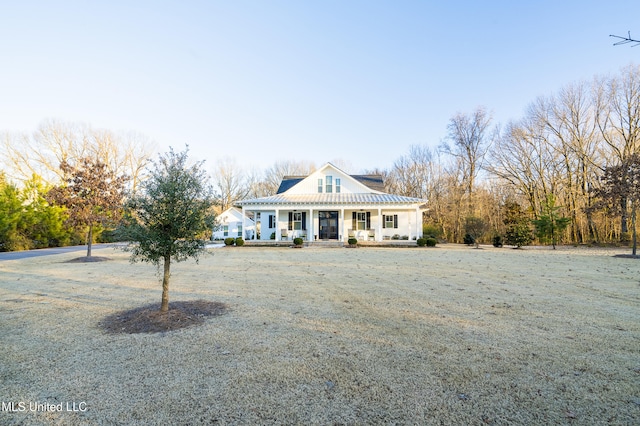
(341, 227)
(255, 225)
(277, 224)
(418, 223)
(310, 226)
(243, 222)
(379, 226)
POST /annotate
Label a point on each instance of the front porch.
(331, 224)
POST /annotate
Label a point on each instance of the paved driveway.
(13, 255)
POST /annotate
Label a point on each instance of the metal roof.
(374, 182)
(324, 198)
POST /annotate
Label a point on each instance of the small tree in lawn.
(475, 227)
(170, 216)
(620, 191)
(516, 221)
(551, 224)
(92, 193)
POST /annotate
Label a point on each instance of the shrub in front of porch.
(229, 241)
(429, 242)
(239, 242)
(353, 242)
(298, 241)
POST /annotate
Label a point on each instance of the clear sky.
(262, 81)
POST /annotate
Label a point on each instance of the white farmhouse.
(330, 204)
(233, 223)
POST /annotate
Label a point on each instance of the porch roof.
(341, 199)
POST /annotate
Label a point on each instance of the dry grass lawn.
(451, 335)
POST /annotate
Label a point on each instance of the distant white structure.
(231, 224)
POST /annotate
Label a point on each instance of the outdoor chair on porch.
(372, 235)
(284, 235)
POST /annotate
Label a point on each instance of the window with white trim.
(390, 221)
(361, 221)
(297, 220)
(329, 180)
(320, 184)
(239, 230)
(225, 228)
(337, 185)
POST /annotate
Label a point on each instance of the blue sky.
(262, 81)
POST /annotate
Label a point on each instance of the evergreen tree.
(550, 224)
(170, 216)
(516, 221)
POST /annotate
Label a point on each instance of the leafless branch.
(625, 40)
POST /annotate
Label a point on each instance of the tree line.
(484, 180)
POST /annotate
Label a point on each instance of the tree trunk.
(164, 307)
(89, 240)
(633, 225)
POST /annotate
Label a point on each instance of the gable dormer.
(329, 179)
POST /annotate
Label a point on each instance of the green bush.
(431, 230)
(273, 236)
(298, 241)
(229, 241)
(239, 242)
(422, 242)
(468, 239)
(497, 241)
(352, 241)
(431, 242)
(16, 241)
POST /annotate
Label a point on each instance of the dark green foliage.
(468, 239)
(421, 242)
(430, 230)
(239, 242)
(352, 241)
(620, 194)
(27, 220)
(170, 216)
(272, 236)
(229, 241)
(497, 241)
(518, 232)
(298, 241)
(550, 224)
(475, 228)
(431, 242)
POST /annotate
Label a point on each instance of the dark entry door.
(328, 222)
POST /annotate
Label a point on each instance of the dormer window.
(329, 184)
(320, 186)
(337, 185)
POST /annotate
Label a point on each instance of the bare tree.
(468, 141)
(230, 183)
(56, 142)
(273, 176)
(618, 106)
(412, 173)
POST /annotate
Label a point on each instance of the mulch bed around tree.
(85, 259)
(627, 256)
(149, 319)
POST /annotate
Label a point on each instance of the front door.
(328, 222)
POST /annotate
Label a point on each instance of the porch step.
(324, 244)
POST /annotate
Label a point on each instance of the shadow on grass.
(149, 319)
